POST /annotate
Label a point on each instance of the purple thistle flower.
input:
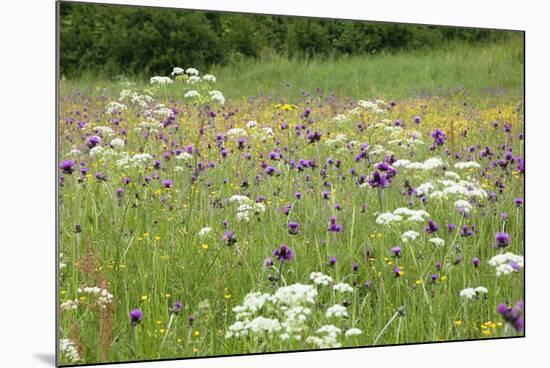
(475, 262)
(513, 316)
(396, 251)
(191, 319)
(298, 195)
(378, 180)
(451, 227)
(417, 119)
(431, 227)
(518, 202)
(397, 271)
(135, 316)
(293, 228)
(93, 141)
(178, 306)
(229, 237)
(355, 267)
(502, 240)
(458, 259)
(325, 194)
(270, 170)
(100, 176)
(284, 253)
(314, 137)
(439, 138)
(67, 166)
(333, 226)
(167, 183)
(434, 277)
(332, 261)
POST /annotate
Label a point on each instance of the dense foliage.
(114, 40)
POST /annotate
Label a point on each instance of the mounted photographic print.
(235, 184)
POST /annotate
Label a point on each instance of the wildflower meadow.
(196, 224)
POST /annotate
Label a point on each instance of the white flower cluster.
(353, 332)
(263, 134)
(320, 279)
(328, 339)
(257, 325)
(339, 138)
(191, 94)
(409, 235)
(251, 124)
(205, 231)
(372, 106)
(296, 294)
(343, 287)
(217, 96)
(247, 207)
(447, 188)
(117, 143)
(341, 119)
(437, 241)
(236, 132)
(463, 206)
(104, 130)
(136, 161)
(470, 293)
(184, 156)
(69, 350)
(506, 263)
(135, 98)
(387, 218)
(467, 165)
(102, 152)
(429, 164)
(452, 175)
(177, 71)
(194, 79)
(209, 78)
(114, 107)
(399, 215)
(162, 110)
(337, 310)
(151, 124)
(103, 297)
(69, 305)
(161, 80)
(288, 303)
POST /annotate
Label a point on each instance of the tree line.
(130, 40)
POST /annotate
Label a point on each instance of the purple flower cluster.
(513, 315)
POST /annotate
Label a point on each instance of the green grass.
(477, 69)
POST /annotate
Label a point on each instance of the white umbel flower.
(177, 71)
(117, 143)
(353, 332)
(320, 279)
(437, 242)
(343, 287)
(161, 80)
(337, 310)
(409, 235)
(191, 94)
(463, 206)
(205, 231)
(467, 165)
